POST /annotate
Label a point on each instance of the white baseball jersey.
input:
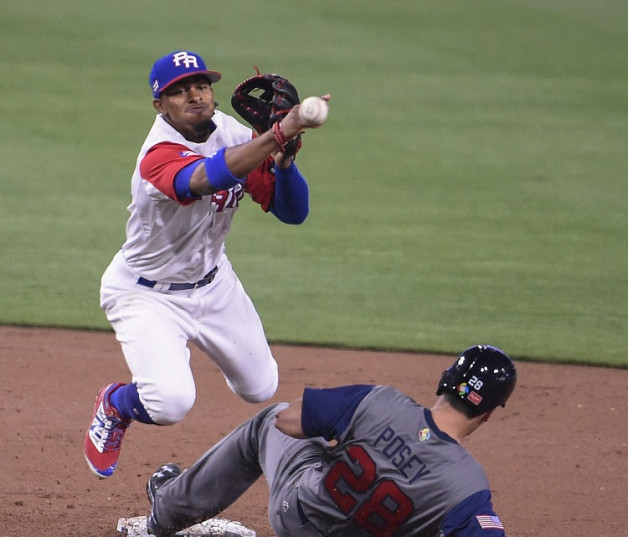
(182, 241)
(173, 242)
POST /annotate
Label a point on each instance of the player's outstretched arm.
(240, 160)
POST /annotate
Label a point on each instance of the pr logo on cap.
(177, 66)
(185, 58)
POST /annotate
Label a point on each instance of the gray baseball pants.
(229, 468)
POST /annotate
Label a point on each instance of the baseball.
(313, 111)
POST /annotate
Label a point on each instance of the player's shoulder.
(386, 404)
(385, 393)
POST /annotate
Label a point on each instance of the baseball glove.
(264, 99)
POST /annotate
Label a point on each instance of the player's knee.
(171, 408)
(261, 396)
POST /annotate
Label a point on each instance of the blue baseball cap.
(177, 66)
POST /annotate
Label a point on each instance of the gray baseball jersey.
(392, 472)
(389, 472)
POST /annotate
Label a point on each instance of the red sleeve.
(162, 163)
(260, 184)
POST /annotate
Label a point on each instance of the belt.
(207, 279)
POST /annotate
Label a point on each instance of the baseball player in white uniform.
(171, 282)
(353, 461)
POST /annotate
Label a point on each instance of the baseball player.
(354, 461)
(171, 282)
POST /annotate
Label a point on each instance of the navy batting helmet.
(482, 376)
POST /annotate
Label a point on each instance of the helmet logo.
(475, 398)
(463, 389)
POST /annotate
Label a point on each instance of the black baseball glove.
(264, 99)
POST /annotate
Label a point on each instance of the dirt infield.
(557, 456)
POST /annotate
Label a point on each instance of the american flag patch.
(489, 522)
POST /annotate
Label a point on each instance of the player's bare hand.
(288, 420)
(294, 124)
(291, 124)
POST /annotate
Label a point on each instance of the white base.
(214, 527)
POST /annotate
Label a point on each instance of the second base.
(214, 527)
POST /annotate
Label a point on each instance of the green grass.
(469, 185)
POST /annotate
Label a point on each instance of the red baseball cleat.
(104, 436)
